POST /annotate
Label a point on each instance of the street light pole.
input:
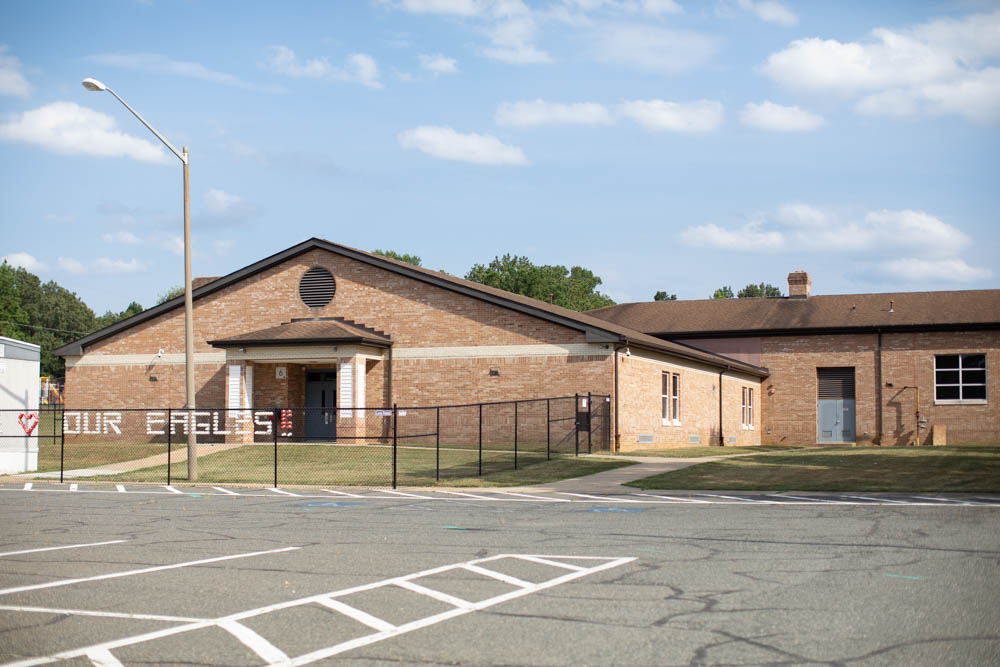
(192, 444)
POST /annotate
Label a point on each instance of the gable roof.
(891, 311)
(318, 330)
(596, 330)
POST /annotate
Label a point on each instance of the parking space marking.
(287, 493)
(811, 500)
(102, 614)
(74, 487)
(65, 546)
(949, 500)
(407, 495)
(100, 654)
(27, 486)
(120, 487)
(479, 497)
(601, 498)
(499, 576)
(745, 500)
(344, 493)
(225, 491)
(880, 500)
(674, 498)
(528, 495)
(145, 570)
(173, 490)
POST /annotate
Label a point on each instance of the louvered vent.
(317, 287)
(836, 383)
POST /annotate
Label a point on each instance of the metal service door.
(321, 403)
(835, 405)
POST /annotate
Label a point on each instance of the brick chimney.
(799, 284)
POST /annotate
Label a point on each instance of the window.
(960, 378)
(665, 397)
(675, 398)
(747, 408)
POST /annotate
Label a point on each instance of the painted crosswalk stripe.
(225, 491)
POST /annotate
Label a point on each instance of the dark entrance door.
(835, 408)
(321, 403)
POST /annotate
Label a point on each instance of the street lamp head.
(93, 84)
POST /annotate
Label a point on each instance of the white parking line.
(287, 493)
(809, 499)
(173, 490)
(683, 500)
(145, 570)
(27, 486)
(745, 500)
(344, 493)
(364, 617)
(102, 614)
(604, 498)
(66, 546)
(265, 649)
(950, 500)
(120, 487)
(101, 657)
(225, 491)
(528, 495)
(408, 495)
(880, 500)
(74, 487)
(499, 576)
(437, 595)
(476, 496)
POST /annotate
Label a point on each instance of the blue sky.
(664, 144)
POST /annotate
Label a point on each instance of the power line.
(35, 326)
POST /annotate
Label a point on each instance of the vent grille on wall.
(317, 287)
(836, 383)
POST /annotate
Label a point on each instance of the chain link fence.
(373, 447)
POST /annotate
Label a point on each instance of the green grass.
(78, 455)
(337, 465)
(905, 469)
(704, 450)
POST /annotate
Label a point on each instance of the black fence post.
(548, 430)
(590, 414)
(274, 429)
(480, 439)
(395, 416)
(437, 444)
(576, 421)
(169, 445)
(515, 435)
(62, 442)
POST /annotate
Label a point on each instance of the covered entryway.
(321, 401)
(835, 405)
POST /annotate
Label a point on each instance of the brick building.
(322, 325)
(867, 368)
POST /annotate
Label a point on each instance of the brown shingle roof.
(968, 309)
(312, 331)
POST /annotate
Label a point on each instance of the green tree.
(172, 293)
(110, 317)
(574, 288)
(724, 292)
(392, 254)
(663, 296)
(12, 315)
(762, 290)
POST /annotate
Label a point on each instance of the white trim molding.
(148, 359)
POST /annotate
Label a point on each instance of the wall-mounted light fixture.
(495, 372)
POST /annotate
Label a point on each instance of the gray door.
(835, 405)
(321, 403)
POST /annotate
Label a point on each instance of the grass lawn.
(95, 454)
(968, 468)
(335, 465)
(704, 450)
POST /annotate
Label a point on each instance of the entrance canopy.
(306, 340)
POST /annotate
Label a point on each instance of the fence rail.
(329, 446)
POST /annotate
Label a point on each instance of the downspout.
(722, 441)
(618, 435)
(878, 390)
(389, 378)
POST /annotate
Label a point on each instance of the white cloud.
(539, 112)
(770, 11)
(775, 117)
(653, 48)
(656, 7)
(659, 115)
(512, 39)
(926, 243)
(934, 270)
(222, 207)
(70, 129)
(449, 7)
(12, 81)
(357, 68)
(25, 261)
(446, 143)
(438, 63)
(70, 265)
(124, 238)
(160, 64)
(936, 68)
(115, 266)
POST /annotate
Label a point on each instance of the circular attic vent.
(317, 287)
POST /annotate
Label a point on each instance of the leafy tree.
(724, 292)
(761, 290)
(392, 254)
(11, 313)
(663, 296)
(574, 288)
(173, 292)
(110, 317)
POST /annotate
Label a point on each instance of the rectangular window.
(746, 409)
(675, 398)
(960, 378)
(665, 397)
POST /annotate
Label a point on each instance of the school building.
(321, 325)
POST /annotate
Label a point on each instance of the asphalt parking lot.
(104, 576)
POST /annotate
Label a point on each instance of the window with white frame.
(960, 378)
(747, 407)
(675, 398)
(665, 397)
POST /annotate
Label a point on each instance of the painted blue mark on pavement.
(616, 509)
